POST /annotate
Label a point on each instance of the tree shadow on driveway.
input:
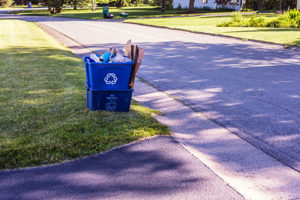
(237, 85)
(157, 168)
(243, 86)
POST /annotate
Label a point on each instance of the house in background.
(212, 4)
(298, 4)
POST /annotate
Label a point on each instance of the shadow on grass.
(44, 118)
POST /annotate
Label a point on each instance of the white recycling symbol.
(111, 79)
(111, 105)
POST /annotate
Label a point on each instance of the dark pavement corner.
(155, 168)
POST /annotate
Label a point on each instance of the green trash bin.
(106, 13)
(123, 14)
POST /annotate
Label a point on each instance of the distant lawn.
(18, 7)
(11, 8)
(134, 12)
(209, 25)
(44, 118)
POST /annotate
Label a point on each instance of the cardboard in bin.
(107, 76)
(136, 54)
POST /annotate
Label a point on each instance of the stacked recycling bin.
(107, 85)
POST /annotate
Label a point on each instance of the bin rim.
(87, 60)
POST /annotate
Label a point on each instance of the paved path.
(156, 168)
(245, 89)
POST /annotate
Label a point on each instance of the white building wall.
(199, 4)
(182, 3)
(210, 4)
(298, 4)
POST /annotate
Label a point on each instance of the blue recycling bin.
(107, 85)
(109, 100)
(107, 76)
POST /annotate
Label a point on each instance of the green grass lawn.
(12, 8)
(18, 7)
(134, 12)
(44, 118)
(209, 25)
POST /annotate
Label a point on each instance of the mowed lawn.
(87, 13)
(44, 118)
(286, 36)
(133, 12)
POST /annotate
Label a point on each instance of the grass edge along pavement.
(44, 118)
(208, 25)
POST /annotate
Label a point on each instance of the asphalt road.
(250, 88)
(156, 168)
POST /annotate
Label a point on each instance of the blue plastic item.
(107, 76)
(117, 100)
(106, 57)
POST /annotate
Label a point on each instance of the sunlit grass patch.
(44, 118)
(209, 25)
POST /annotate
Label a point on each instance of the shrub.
(6, 3)
(179, 7)
(256, 22)
(236, 21)
(119, 3)
(222, 8)
(77, 3)
(237, 17)
(205, 8)
(290, 19)
(55, 6)
(293, 14)
(168, 3)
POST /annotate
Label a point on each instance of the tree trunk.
(241, 4)
(163, 5)
(93, 5)
(280, 6)
(191, 5)
(289, 2)
(259, 4)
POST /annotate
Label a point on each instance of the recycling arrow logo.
(111, 105)
(111, 79)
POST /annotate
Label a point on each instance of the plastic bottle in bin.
(113, 56)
